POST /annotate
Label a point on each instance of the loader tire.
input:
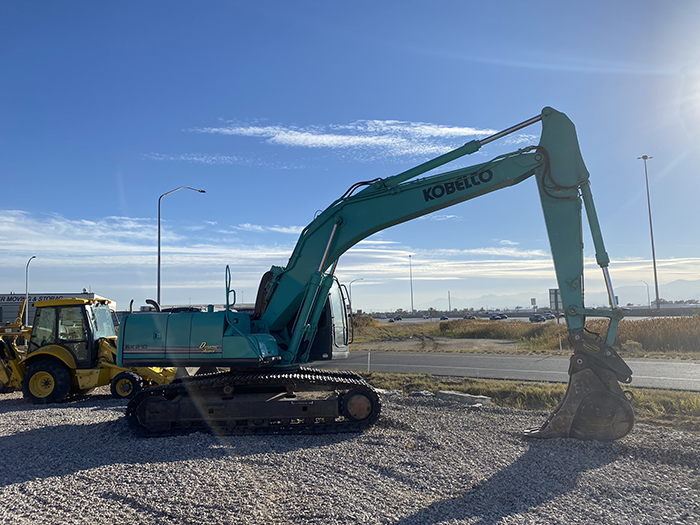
(126, 385)
(46, 381)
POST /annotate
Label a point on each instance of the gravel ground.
(426, 461)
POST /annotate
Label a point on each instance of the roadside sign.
(555, 299)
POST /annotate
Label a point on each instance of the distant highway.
(647, 373)
(417, 320)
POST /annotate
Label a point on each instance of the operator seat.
(260, 299)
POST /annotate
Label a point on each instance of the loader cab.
(74, 324)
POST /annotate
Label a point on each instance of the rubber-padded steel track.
(160, 410)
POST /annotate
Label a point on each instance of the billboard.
(12, 302)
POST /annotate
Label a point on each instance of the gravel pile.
(426, 461)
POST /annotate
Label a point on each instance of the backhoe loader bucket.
(594, 406)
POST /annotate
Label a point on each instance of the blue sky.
(276, 108)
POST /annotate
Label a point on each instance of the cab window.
(73, 333)
(102, 321)
(44, 329)
(339, 316)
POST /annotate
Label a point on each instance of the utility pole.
(410, 277)
(651, 231)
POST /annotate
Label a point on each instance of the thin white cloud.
(249, 227)
(514, 140)
(375, 242)
(439, 217)
(359, 141)
(494, 251)
(294, 230)
(198, 158)
(413, 129)
(499, 252)
(383, 137)
(116, 256)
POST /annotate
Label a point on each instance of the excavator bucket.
(594, 406)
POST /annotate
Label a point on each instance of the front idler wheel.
(358, 405)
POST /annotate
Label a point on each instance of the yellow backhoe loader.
(71, 350)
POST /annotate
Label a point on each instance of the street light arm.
(648, 300)
(181, 188)
(159, 199)
(350, 289)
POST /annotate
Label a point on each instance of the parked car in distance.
(503, 316)
(391, 319)
(444, 318)
(548, 315)
(559, 315)
(469, 316)
(495, 317)
(537, 318)
(398, 318)
(426, 316)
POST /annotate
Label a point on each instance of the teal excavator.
(300, 314)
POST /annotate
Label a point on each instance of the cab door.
(74, 334)
(65, 326)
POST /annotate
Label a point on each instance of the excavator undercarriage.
(302, 401)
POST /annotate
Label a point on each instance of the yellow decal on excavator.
(207, 349)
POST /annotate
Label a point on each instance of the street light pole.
(350, 290)
(159, 199)
(648, 300)
(26, 292)
(651, 230)
(410, 277)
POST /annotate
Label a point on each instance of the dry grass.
(673, 337)
(679, 410)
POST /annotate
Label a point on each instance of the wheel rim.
(124, 387)
(42, 384)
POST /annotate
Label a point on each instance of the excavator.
(300, 314)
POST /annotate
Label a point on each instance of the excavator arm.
(291, 299)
